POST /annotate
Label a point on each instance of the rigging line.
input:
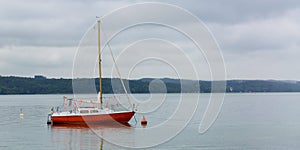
(117, 68)
(80, 100)
(135, 119)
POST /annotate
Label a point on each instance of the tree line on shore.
(43, 85)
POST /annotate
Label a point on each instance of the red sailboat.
(89, 114)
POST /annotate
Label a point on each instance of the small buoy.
(143, 121)
(21, 114)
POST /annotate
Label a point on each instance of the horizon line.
(241, 79)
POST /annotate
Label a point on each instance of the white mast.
(99, 65)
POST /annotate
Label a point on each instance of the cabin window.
(84, 111)
(94, 111)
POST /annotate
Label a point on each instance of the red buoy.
(143, 121)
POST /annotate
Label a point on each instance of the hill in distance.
(43, 85)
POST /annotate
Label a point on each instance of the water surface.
(246, 121)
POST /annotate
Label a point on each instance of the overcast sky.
(259, 39)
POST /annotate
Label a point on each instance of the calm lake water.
(246, 121)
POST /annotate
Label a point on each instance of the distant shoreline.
(41, 85)
(257, 93)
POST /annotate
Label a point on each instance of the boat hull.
(121, 117)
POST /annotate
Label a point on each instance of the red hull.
(122, 117)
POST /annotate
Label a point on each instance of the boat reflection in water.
(94, 126)
(85, 136)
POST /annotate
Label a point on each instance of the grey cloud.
(277, 33)
(234, 11)
(244, 30)
(36, 60)
(51, 23)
